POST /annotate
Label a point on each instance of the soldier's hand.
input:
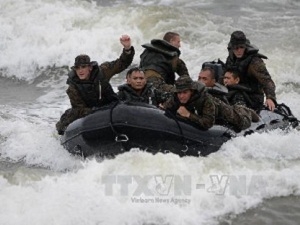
(161, 106)
(270, 104)
(125, 41)
(182, 111)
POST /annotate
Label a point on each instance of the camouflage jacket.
(206, 110)
(258, 70)
(108, 70)
(159, 82)
(201, 107)
(254, 72)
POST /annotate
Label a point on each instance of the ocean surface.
(251, 180)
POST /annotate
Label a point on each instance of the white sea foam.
(230, 184)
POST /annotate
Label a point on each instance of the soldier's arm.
(170, 105)
(258, 69)
(114, 67)
(181, 68)
(158, 82)
(207, 119)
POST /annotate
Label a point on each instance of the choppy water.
(251, 180)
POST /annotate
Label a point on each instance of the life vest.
(242, 66)
(89, 89)
(158, 56)
(126, 93)
(219, 91)
(245, 92)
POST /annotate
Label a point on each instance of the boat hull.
(119, 127)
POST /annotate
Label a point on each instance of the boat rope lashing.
(119, 137)
(184, 141)
(286, 112)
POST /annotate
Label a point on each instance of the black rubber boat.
(119, 127)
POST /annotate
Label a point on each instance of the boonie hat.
(184, 83)
(82, 60)
(238, 38)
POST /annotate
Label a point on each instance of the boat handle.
(121, 138)
(186, 149)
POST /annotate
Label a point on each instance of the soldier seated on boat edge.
(89, 85)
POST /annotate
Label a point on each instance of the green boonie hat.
(82, 60)
(184, 83)
(238, 38)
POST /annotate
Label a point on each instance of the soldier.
(89, 85)
(160, 61)
(208, 78)
(237, 93)
(173, 38)
(245, 58)
(191, 101)
(136, 89)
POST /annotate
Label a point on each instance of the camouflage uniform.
(84, 95)
(238, 116)
(160, 61)
(206, 110)
(201, 105)
(254, 73)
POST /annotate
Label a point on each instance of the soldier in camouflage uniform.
(89, 85)
(237, 93)
(245, 58)
(208, 78)
(136, 89)
(191, 101)
(160, 61)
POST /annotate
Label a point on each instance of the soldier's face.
(137, 80)
(184, 96)
(229, 79)
(175, 41)
(206, 78)
(239, 51)
(83, 72)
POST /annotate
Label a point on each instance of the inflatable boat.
(121, 126)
